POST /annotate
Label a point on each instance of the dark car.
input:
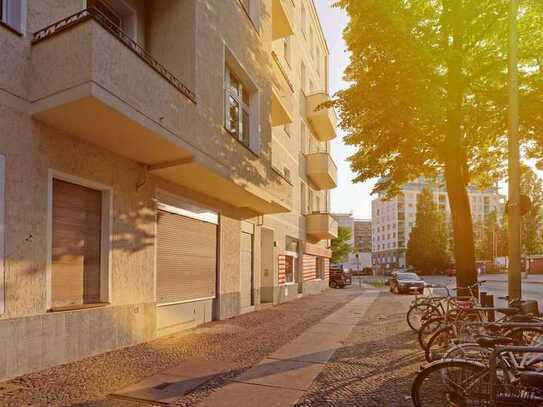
(401, 283)
(338, 279)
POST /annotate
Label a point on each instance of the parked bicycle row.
(477, 359)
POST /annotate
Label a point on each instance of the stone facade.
(134, 114)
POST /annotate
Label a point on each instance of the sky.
(347, 197)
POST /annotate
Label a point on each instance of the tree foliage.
(341, 248)
(428, 95)
(427, 248)
(532, 222)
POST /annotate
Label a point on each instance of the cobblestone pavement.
(377, 363)
(240, 342)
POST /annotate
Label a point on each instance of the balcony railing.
(90, 13)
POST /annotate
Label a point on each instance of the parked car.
(338, 279)
(407, 283)
(348, 276)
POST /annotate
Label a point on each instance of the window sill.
(249, 17)
(241, 143)
(280, 174)
(10, 28)
(78, 307)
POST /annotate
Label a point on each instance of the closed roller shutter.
(246, 270)
(186, 258)
(76, 244)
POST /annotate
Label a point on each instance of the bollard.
(482, 296)
(490, 304)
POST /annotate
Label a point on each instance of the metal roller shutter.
(246, 270)
(186, 258)
(76, 244)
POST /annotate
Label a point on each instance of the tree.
(428, 95)
(427, 247)
(487, 246)
(341, 246)
(532, 222)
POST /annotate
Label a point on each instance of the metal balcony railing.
(93, 14)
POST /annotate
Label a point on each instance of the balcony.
(282, 18)
(95, 83)
(282, 94)
(321, 170)
(322, 120)
(320, 226)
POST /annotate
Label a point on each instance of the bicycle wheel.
(452, 383)
(526, 336)
(439, 343)
(428, 328)
(468, 351)
(418, 312)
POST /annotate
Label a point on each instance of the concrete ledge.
(33, 343)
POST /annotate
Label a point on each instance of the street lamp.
(513, 210)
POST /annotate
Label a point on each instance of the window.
(237, 109)
(303, 140)
(107, 11)
(11, 13)
(320, 268)
(318, 52)
(302, 78)
(252, 9)
(120, 16)
(303, 18)
(2, 255)
(290, 268)
(286, 50)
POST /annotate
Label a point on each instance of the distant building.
(394, 219)
(361, 241)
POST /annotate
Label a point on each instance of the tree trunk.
(456, 168)
(464, 252)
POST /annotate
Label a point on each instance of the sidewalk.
(347, 347)
(234, 345)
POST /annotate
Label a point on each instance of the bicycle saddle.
(524, 318)
(532, 379)
(491, 341)
(508, 311)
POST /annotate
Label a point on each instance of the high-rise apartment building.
(394, 219)
(360, 240)
(162, 164)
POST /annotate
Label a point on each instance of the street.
(497, 286)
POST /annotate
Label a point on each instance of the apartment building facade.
(162, 164)
(393, 219)
(360, 241)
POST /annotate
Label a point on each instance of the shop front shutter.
(76, 244)
(186, 258)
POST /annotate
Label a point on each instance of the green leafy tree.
(427, 248)
(428, 95)
(341, 246)
(487, 245)
(532, 222)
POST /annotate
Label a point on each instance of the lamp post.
(513, 210)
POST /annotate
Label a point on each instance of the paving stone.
(288, 374)
(160, 388)
(252, 395)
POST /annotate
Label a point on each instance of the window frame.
(13, 15)
(2, 231)
(231, 63)
(106, 243)
(244, 107)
